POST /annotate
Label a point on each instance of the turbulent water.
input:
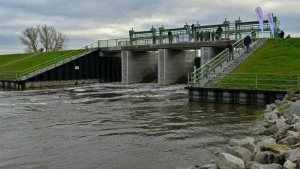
(113, 126)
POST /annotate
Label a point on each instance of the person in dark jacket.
(192, 27)
(219, 33)
(281, 35)
(230, 49)
(197, 36)
(247, 42)
(170, 36)
(201, 36)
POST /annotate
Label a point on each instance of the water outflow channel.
(115, 126)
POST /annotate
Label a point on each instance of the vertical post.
(106, 43)
(255, 81)
(219, 81)
(194, 74)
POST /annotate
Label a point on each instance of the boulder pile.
(277, 145)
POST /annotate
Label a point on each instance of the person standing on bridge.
(192, 27)
(201, 36)
(247, 42)
(219, 33)
(170, 36)
(230, 49)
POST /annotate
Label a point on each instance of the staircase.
(231, 65)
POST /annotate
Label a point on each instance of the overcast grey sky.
(86, 21)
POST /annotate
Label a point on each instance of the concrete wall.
(110, 54)
(139, 66)
(31, 85)
(235, 96)
(174, 65)
(207, 53)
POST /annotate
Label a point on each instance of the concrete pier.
(174, 65)
(139, 66)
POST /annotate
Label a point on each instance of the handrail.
(202, 72)
(259, 81)
(14, 75)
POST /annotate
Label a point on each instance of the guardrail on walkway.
(202, 73)
(259, 81)
(15, 75)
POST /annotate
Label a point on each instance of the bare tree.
(30, 39)
(49, 38)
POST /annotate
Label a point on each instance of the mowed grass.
(5, 59)
(40, 61)
(265, 67)
(281, 56)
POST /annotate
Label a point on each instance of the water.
(115, 126)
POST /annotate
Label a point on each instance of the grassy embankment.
(35, 62)
(5, 59)
(275, 65)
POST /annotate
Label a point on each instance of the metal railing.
(15, 75)
(114, 42)
(202, 73)
(259, 81)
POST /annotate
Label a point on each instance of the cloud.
(86, 21)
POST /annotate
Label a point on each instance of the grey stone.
(267, 157)
(292, 133)
(266, 141)
(282, 126)
(210, 166)
(297, 126)
(266, 166)
(294, 155)
(247, 143)
(271, 116)
(278, 102)
(269, 131)
(250, 164)
(241, 153)
(293, 99)
(291, 140)
(293, 109)
(289, 165)
(295, 119)
(228, 161)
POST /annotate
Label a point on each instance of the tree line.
(43, 38)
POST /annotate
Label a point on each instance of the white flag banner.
(260, 17)
(271, 22)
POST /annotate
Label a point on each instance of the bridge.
(146, 56)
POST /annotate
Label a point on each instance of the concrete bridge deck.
(180, 46)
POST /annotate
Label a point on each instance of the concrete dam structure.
(146, 56)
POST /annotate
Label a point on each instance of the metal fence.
(259, 81)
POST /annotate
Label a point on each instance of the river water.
(114, 126)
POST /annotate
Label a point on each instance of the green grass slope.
(43, 59)
(5, 59)
(27, 65)
(281, 56)
(275, 65)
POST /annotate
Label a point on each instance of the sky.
(87, 21)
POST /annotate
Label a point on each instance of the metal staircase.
(239, 58)
(205, 73)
